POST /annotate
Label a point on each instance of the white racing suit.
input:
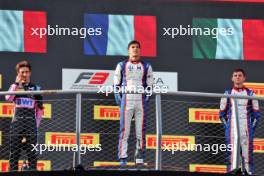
(128, 75)
(248, 116)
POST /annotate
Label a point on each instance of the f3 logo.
(94, 78)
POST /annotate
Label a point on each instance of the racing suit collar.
(134, 62)
(239, 88)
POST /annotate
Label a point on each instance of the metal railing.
(158, 155)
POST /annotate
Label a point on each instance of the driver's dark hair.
(133, 42)
(239, 70)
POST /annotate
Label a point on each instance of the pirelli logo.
(7, 110)
(42, 165)
(258, 145)
(258, 88)
(110, 164)
(207, 168)
(169, 141)
(106, 112)
(200, 115)
(52, 138)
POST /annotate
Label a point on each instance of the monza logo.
(258, 145)
(42, 165)
(258, 88)
(59, 138)
(92, 77)
(158, 81)
(168, 141)
(203, 115)
(106, 112)
(207, 168)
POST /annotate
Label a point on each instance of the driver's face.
(238, 78)
(24, 74)
(134, 52)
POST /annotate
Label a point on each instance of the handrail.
(179, 93)
(213, 95)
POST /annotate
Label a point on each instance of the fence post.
(236, 147)
(158, 131)
(78, 127)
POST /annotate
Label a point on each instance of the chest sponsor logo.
(25, 102)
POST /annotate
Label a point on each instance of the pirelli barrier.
(193, 125)
(111, 172)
